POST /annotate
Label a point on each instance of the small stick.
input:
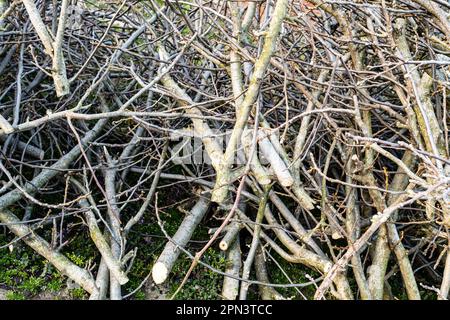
(255, 242)
(230, 287)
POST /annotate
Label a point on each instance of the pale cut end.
(159, 272)
(5, 125)
(284, 176)
(264, 181)
(304, 199)
(286, 181)
(336, 235)
(223, 246)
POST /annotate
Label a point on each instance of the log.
(168, 257)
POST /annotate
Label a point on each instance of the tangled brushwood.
(314, 131)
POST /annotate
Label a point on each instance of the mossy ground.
(26, 275)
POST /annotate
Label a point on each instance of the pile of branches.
(318, 129)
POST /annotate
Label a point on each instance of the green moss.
(185, 31)
(13, 295)
(203, 283)
(32, 285)
(78, 294)
(19, 267)
(75, 258)
(140, 295)
(55, 284)
(26, 273)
